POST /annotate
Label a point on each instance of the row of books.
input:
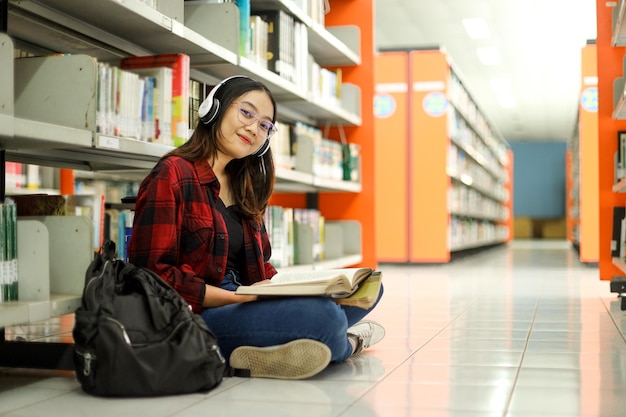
(315, 9)
(302, 147)
(118, 227)
(22, 176)
(468, 108)
(465, 201)
(153, 99)
(459, 164)
(8, 252)
(278, 42)
(145, 98)
(462, 134)
(328, 158)
(282, 224)
(296, 235)
(466, 233)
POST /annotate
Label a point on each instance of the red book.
(180, 64)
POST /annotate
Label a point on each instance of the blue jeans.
(277, 321)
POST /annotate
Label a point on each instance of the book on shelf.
(281, 145)
(279, 224)
(618, 237)
(258, 40)
(180, 65)
(160, 80)
(620, 163)
(197, 93)
(8, 252)
(279, 42)
(340, 283)
(244, 27)
(308, 235)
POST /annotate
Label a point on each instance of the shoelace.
(363, 339)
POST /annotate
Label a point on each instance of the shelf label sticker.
(109, 142)
(384, 106)
(435, 104)
(589, 99)
(391, 88)
(429, 86)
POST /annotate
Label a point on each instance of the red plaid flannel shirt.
(179, 233)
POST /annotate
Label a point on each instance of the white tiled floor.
(522, 330)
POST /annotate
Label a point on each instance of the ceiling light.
(489, 55)
(477, 28)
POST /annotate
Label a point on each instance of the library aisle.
(522, 330)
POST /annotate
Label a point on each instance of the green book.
(4, 276)
(12, 249)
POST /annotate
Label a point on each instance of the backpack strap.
(108, 250)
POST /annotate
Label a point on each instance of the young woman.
(199, 225)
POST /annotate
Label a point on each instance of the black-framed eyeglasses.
(248, 116)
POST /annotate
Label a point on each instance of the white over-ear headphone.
(210, 106)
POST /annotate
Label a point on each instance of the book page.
(318, 275)
(320, 282)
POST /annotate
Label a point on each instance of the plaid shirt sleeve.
(174, 232)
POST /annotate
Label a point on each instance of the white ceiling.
(539, 42)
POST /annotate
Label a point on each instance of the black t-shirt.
(235, 235)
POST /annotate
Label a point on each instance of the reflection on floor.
(522, 330)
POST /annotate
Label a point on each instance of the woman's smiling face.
(242, 130)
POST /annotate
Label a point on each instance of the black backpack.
(134, 336)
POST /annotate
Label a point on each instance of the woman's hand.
(263, 282)
(218, 297)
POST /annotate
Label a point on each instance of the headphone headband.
(210, 106)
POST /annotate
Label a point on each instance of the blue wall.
(539, 179)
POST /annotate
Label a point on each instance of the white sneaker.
(299, 359)
(365, 334)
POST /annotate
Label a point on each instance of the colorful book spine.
(148, 130)
(244, 27)
(4, 269)
(8, 252)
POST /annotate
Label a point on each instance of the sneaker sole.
(298, 359)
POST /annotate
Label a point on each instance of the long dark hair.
(251, 178)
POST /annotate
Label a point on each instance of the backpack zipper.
(87, 357)
(122, 329)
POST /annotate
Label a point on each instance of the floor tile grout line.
(617, 327)
(521, 363)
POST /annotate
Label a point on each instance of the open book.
(336, 283)
(367, 293)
